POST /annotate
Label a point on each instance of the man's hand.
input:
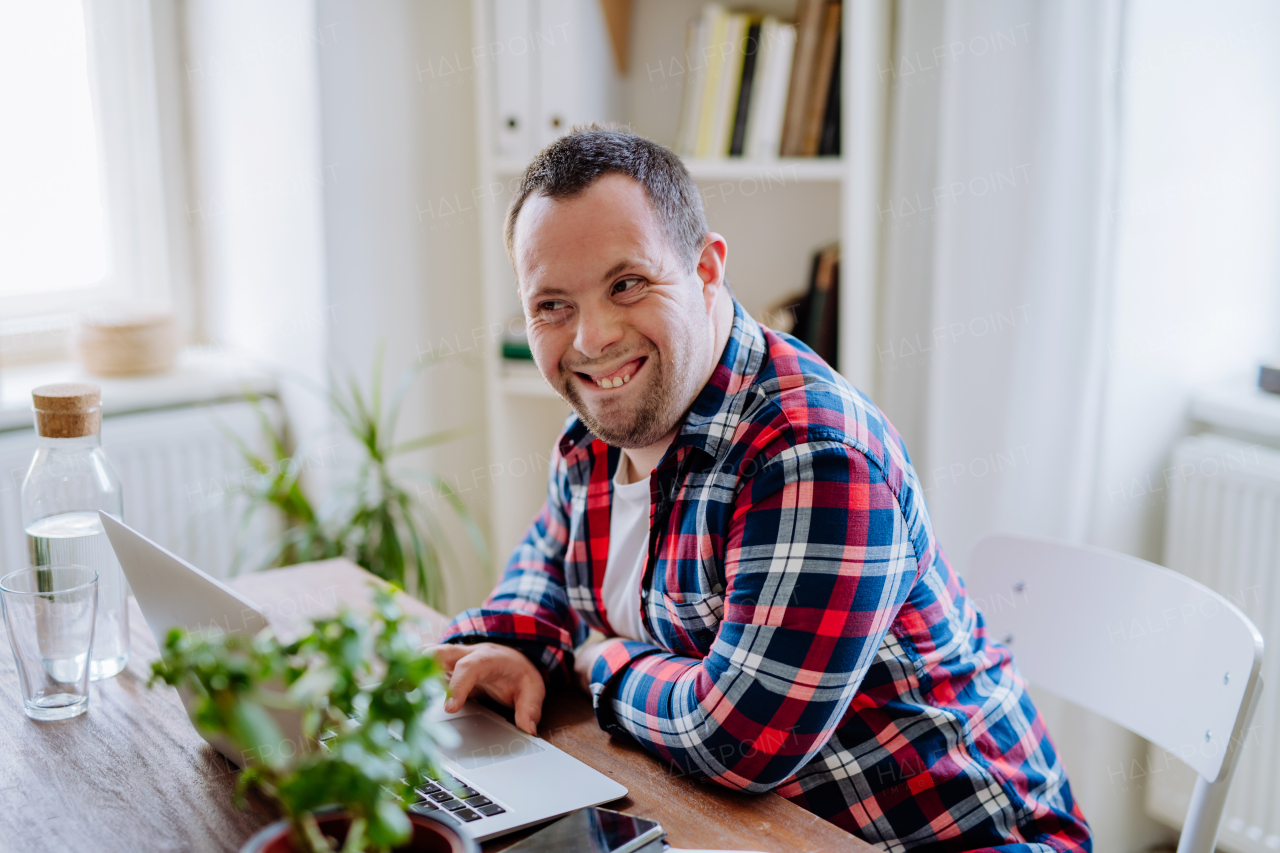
(585, 658)
(499, 671)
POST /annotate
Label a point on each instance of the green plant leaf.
(254, 730)
(363, 689)
(403, 383)
(375, 394)
(451, 497)
(367, 517)
(431, 440)
(355, 836)
(389, 826)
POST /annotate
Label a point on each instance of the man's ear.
(711, 267)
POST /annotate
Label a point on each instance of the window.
(51, 212)
(82, 181)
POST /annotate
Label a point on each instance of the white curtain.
(996, 295)
(997, 257)
(1079, 226)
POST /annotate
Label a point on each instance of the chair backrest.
(1144, 646)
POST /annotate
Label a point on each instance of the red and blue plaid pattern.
(813, 639)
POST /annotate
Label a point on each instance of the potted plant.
(361, 688)
(376, 519)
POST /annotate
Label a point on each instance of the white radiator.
(1223, 529)
(183, 481)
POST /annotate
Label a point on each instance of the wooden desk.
(131, 774)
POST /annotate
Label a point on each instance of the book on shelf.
(716, 30)
(816, 106)
(734, 49)
(760, 87)
(825, 331)
(829, 141)
(750, 58)
(691, 92)
(808, 30)
(768, 101)
(814, 316)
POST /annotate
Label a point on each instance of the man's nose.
(598, 329)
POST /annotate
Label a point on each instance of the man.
(747, 532)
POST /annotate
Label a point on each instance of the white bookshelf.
(522, 379)
(773, 214)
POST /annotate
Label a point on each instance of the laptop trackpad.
(483, 741)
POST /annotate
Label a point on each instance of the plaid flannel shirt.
(812, 638)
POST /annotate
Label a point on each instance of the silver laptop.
(506, 778)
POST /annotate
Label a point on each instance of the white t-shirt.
(628, 552)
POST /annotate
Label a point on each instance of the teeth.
(615, 382)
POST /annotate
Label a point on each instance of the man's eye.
(553, 306)
(627, 284)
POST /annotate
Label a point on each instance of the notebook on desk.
(497, 775)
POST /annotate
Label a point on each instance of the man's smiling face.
(618, 323)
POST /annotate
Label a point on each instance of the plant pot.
(429, 836)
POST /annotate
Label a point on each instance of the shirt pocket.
(693, 619)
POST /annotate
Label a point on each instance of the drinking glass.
(49, 612)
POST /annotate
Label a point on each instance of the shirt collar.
(712, 420)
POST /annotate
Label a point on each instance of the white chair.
(1142, 645)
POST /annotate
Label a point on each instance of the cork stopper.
(67, 409)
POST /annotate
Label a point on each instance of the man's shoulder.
(804, 400)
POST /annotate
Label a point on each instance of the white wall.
(258, 188)
(398, 141)
(1197, 280)
(320, 140)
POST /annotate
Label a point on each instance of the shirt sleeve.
(529, 609)
(817, 564)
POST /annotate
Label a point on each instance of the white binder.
(769, 101)
(577, 79)
(514, 45)
(560, 35)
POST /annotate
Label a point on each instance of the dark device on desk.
(595, 831)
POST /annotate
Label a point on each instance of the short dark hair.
(575, 161)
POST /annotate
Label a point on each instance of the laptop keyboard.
(451, 800)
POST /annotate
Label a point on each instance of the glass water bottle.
(69, 480)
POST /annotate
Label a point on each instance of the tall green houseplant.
(373, 519)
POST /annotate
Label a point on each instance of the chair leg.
(1204, 814)
(1200, 827)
